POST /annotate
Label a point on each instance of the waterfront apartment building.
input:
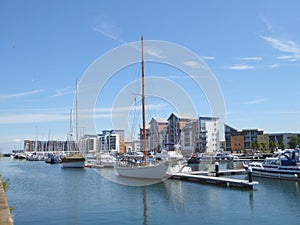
(192, 134)
(245, 139)
(237, 144)
(256, 140)
(229, 132)
(282, 139)
(175, 123)
(164, 138)
(88, 143)
(133, 146)
(208, 134)
(50, 146)
(156, 134)
(111, 141)
(250, 136)
(188, 138)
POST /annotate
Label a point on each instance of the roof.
(182, 116)
(160, 120)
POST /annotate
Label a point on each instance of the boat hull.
(78, 164)
(156, 171)
(107, 163)
(73, 161)
(277, 173)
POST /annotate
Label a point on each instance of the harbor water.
(42, 193)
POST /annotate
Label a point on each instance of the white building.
(88, 143)
(111, 140)
(208, 134)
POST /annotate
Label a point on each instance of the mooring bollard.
(216, 169)
(250, 176)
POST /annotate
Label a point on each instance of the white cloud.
(274, 66)
(107, 33)
(156, 52)
(256, 101)
(285, 46)
(51, 115)
(64, 91)
(267, 23)
(209, 57)
(106, 26)
(31, 118)
(290, 58)
(240, 67)
(19, 95)
(186, 76)
(256, 58)
(193, 64)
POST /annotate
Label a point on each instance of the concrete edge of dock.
(5, 215)
(228, 182)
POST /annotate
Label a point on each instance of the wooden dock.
(205, 178)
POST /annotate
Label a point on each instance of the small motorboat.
(282, 165)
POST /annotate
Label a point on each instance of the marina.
(186, 126)
(41, 192)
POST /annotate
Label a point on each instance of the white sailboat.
(74, 159)
(145, 170)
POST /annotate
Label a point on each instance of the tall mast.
(76, 115)
(143, 102)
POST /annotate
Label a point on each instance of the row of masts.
(76, 120)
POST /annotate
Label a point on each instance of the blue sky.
(252, 48)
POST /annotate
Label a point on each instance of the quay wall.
(5, 216)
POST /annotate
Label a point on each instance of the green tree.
(258, 146)
(281, 145)
(263, 147)
(254, 145)
(272, 145)
(294, 141)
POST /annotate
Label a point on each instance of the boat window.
(297, 155)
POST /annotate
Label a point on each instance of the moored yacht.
(282, 165)
(145, 169)
(105, 159)
(73, 160)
